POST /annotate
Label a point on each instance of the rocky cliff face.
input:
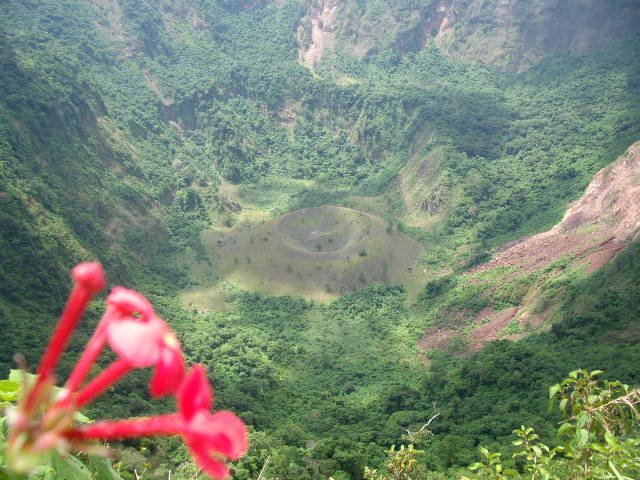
(594, 229)
(513, 34)
(520, 33)
(317, 31)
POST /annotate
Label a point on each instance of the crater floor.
(318, 253)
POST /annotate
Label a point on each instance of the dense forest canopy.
(303, 189)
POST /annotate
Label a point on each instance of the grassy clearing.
(210, 298)
(268, 243)
(318, 253)
(263, 200)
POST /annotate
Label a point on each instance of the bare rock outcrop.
(594, 229)
(316, 32)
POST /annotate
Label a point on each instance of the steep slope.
(519, 34)
(124, 116)
(83, 173)
(518, 283)
(130, 130)
(603, 221)
(513, 34)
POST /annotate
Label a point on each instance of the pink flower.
(41, 422)
(89, 279)
(212, 438)
(140, 338)
(126, 303)
(215, 438)
(144, 341)
(195, 394)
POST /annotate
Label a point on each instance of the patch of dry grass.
(318, 253)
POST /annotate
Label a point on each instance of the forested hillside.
(512, 35)
(351, 212)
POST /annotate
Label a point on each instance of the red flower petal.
(170, 424)
(209, 465)
(128, 302)
(89, 278)
(89, 275)
(222, 432)
(195, 394)
(139, 343)
(169, 372)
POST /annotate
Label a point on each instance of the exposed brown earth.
(317, 31)
(437, 338)
(515, 34)
(594, 229)
(493, 327)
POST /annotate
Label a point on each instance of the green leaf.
(564, 429)
(616, 472)
(598, 448)
(611, 440)
(102, 469)
(68, 467)
(582, 419)
(563, 404)
(553, 390)
(582, 436)
(19, 376)
(4, 475)
(43, 472)
(80, 417)
(9, 391)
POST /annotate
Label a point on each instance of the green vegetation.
(348, 375)
(317, 253)
(598, 433)
(598, 437)
(170, 139)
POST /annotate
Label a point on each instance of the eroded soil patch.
(594, 229)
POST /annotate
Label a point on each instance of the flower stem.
(76, 306)
(171, 424)
(104, 380)
(89, 280)
(87, 359)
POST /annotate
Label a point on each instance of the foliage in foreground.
(599, 439)
(45, 424)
